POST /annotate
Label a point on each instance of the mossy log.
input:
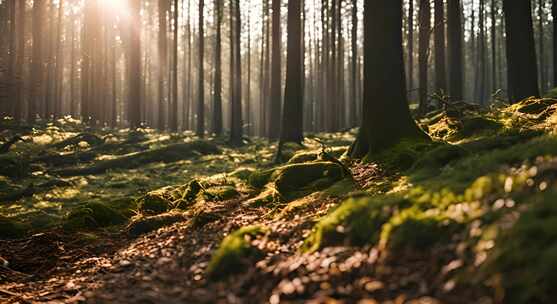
(145, 224)
(91, 139)
(166, 154)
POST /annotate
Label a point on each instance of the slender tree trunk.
(217, 90)
(386, 117)
(494, 85)
(163, 9)
(20, 61)
(134, 90)
(440, 68)
(10, 109)
(482, 56)
(36, 84)
(236, 130)
(292, 116)
(554, 14)
(200, 129)
(174, 114)
(411, 47)
(73, 76)
(276, 95)
(59, 72)
(541, 45)
(521, 52)
(353, 119)
(425, 29)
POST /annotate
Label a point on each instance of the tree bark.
(456, 71)
(217, 89)
(292, 116)
(134, 90)
(36, 84)
(521, 52)
(425, 29)
(174, 114)
(200, 129)
(440, 68)
(236, 130)
(386, 117)
(276, 95)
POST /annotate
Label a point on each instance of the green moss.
(341, 188)
(235, 253)
(13, 165)
(220, 193)
(469, 124)
(309, 156)
(403, 155)
(533, 105)
(242, 173)
(415, 230)
(11, 228)
(357, 222)
(145, 224)
(154, 202)
(91, 216)
(526, 255)
(260, 178)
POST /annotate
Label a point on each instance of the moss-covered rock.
(145, 224)
(188, 194)
(235, 253)
(296, 177)
(11, 228)
(155, 202)
(259, 178)
(91, 216)
(242, 173)
(356, 222)
(309, 156)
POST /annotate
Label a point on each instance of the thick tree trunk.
(276, 95)
(386, 117)
(292, 116)
(541, 45)
(456, 71)
(521, 50)
(554, 14)
(410, 73)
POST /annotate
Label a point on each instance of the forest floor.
(117, 216)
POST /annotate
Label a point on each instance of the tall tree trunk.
(200, 129)
(275, 100)
(353, 118)
(174, 113)
(456, 66)
(163, 51)
(494, 84)
(59, 70)
(36, 84)
(292, 116)
(236, 130)
(481, 78)
(386, 117)
(440, 68)
(521, 51)
(49, 95)
(554, 15)
(217, 90)
(410, 75)
(10, 109)
(541, 45)
(425, 29)
(134, 90)
(20, 61)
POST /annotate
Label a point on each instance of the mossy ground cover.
(455, 218)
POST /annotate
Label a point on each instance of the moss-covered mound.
(220, 193)
(526, 255)
(357, 221)
(318, 175)
(469, 124)
(416, 230)
(155, 202)
(92, 216)
(145, 224)
(309, 156)
(11, 229)
(235, 253)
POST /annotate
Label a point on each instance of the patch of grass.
(235, 253)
